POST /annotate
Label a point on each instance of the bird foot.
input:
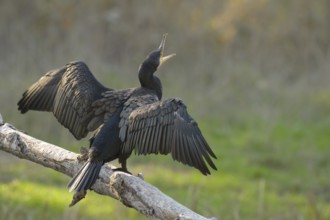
(83, 154)
(77, 197)
(121, 170)
(140, 175)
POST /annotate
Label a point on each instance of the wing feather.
(68, 92)
(166, 127)
(164, 140)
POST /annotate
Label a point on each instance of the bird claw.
(139, 175)
(83, 154)
(77, 197)
(121, 170)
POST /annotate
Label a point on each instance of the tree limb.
(130, 190)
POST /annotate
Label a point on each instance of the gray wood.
(130, 190)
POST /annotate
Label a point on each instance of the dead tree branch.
(130, 190)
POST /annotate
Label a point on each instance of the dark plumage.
(123, 120)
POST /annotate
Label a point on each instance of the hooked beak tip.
(163, 59)
(162, 43)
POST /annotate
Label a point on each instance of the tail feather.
(85, 177)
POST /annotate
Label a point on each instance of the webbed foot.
(122, 170)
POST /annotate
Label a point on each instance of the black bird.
(123, 120)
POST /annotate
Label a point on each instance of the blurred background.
(255, 75)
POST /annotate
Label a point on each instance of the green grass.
(266, 171)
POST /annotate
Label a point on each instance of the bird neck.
(150, 81)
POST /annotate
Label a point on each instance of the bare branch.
(130, 190)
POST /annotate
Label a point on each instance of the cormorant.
(122, 120)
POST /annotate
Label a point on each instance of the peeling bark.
(132, 191)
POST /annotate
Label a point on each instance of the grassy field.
(265, 172)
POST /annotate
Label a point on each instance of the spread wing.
(166, 127)
(68, 92)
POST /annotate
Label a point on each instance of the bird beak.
(163, 59)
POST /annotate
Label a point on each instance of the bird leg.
(123, 168)
(83, 154)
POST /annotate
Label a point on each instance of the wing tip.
(206, 171)
(23, 111)
(22, 106)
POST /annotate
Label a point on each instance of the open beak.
(163, 59)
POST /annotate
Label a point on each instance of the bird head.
(156, 58)
(150, 65)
